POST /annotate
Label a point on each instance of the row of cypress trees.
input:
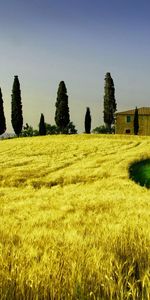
(62, 117)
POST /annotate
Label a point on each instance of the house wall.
(144, 125)
(121, 124)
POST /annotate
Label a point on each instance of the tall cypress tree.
(16, 106)
(62, 117)
(110, 105)
(42, 126)
(136, 121)
(2, 116)
(87, 122)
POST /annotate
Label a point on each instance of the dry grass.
(73, 225)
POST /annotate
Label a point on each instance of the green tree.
(62, 117)
(2, 116)
(42, 126)
(87, 122)
(16, 107)
(100, 129)
(52, 129)
(136, 121)
(103, 129)
(27, 131)
(70, 128)
(110, 105)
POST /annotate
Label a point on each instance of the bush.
(29, 131)
(53, 129)
(103, 129)
(100, 129)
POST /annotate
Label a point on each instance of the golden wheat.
(73, 225)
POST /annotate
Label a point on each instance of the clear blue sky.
(78, 41)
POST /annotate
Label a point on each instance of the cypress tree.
(62, 117)
(110, 105)
(2, 116)
(16, 106)
(87, 122)
(42, 126)
(136, 121)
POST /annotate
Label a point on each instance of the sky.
(77, 41)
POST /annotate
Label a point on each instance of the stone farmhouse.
(124, 123)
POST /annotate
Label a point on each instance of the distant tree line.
(62, 116)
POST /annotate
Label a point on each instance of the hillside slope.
(73, 225)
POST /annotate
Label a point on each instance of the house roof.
(141, 111)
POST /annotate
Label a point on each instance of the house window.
(128, 119)
(127, 130)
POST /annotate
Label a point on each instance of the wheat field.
(72, 223)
